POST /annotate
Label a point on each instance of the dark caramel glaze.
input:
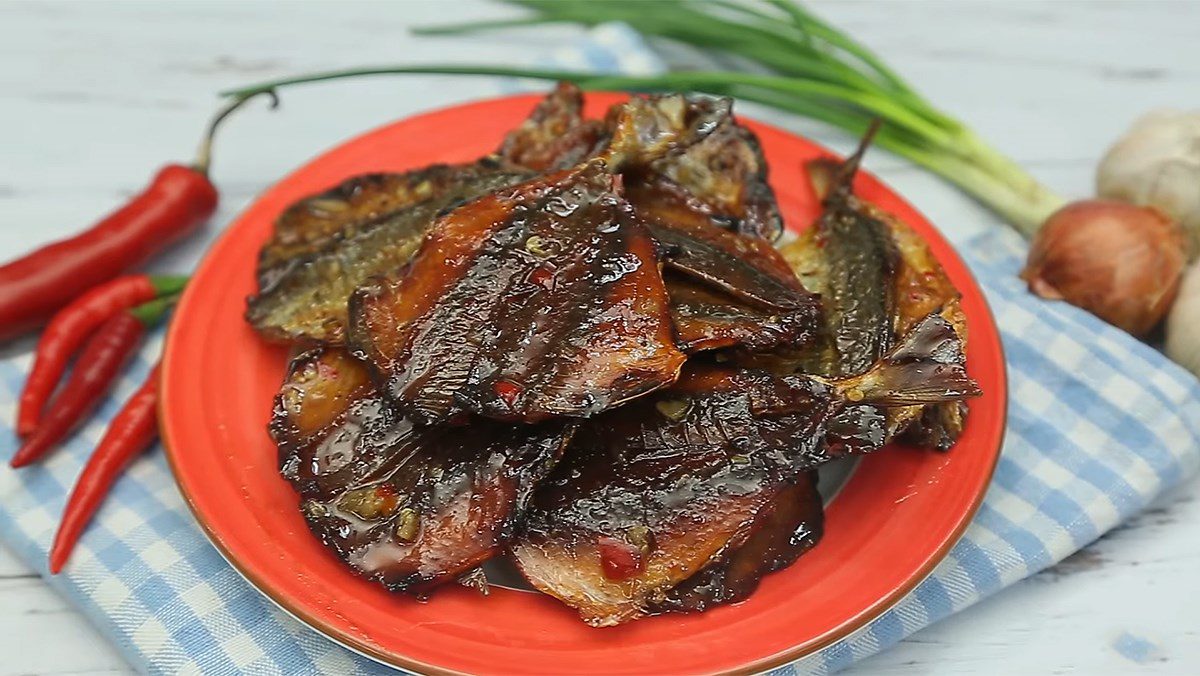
(312, 222)
(660, 489)
(743, 266)
(555, 136)
(677, 482)
(791, 525)
(706, 318)
(938, 426)
(326, 245)
(543, 300)
(917, 287)
(307, 300)
(728, 173)
(321, 384)
(713, 215)
(409, 507)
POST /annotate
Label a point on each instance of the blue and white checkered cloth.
(1099, 424)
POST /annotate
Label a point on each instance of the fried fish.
(410, 507)
(325, 246)
(865, 310)
(303, 296)
(671, 484)
(537, 301)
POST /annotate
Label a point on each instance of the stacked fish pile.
(586, 351)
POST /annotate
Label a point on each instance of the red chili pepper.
(179, 199)
(98, 365)
(36, 286)
(619, 560)
(72, 326)
(131, 431)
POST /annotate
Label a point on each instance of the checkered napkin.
(1099, 424)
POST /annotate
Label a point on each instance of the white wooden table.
(94, 96)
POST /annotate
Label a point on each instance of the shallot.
(1119, 261)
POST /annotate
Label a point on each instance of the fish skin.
(687, 475)
(358, 465)
(728, 172)
(320, 235)
(789, 527)
(538, 301)
(544, 300)
(714, 215)
(918, 286)
(304, 228)
(648, 129)
(695, 485)
(555, 136)
(712, 211)
(307, 302)
(860, 305)
(708, 319)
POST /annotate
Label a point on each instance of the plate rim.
(802, 650)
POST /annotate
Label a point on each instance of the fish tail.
(926, 367)
(832, 179)
(653, 127)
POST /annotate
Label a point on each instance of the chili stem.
(168, 285)
(204, 155)
(152, 313)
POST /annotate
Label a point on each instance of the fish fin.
(648, 128)
(832, 179)
(475, 579)
(926, 367)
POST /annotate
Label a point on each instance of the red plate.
(897, 517)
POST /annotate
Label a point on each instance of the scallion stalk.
(814, 70)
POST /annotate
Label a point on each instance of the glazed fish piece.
(922, 287)
(302, 295)
(708, 209)
(308, 300)
(406, 506)
(541, 301)
(727, 173)
(658, 490)
(308, 225)
(849, 258)
(538, 301)
(321, 385)
(917, 286)
(707, 319)
(746, 267)
(788, 527)
(555, 136)
(672, 484)
(647, 129)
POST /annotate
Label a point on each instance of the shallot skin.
(1119, 261)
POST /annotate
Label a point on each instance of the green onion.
(811, 69)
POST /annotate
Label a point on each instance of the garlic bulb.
(1157, 163)
(1183, 324)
